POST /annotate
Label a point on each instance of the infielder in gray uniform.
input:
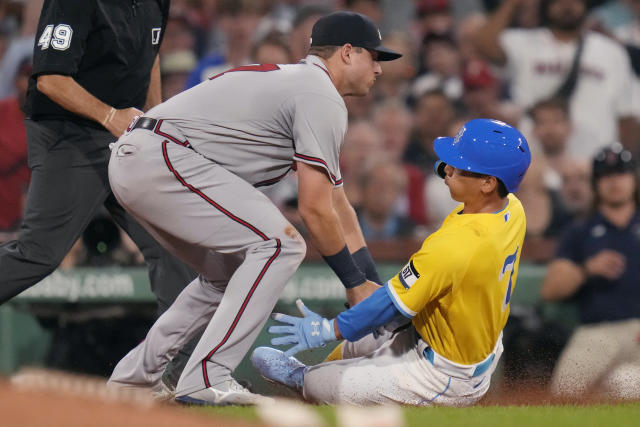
(188, 171)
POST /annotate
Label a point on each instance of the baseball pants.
(396, 373)
(68, 186)
(229, 232)
(604, 358)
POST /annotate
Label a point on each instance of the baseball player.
(189, 171)
(456, 291)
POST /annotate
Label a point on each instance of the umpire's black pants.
(68, 185)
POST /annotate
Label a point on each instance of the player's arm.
(487, 38)
(357, 246)
(315, 204)
(154, 94)
(66, 92)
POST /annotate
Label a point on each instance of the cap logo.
(459, 135)
(379, 34)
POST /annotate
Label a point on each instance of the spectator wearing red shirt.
(14, 171)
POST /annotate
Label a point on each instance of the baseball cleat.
(224, 394)
(275, 366)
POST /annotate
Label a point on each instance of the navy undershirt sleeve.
(363, 318)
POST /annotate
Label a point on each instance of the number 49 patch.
(409, 275)
(58, 37)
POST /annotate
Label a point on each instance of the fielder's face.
(364, 69)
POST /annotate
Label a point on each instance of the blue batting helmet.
(488, 147)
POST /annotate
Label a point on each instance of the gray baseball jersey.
(255, 120)
(189, 177)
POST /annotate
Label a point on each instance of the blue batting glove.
(309, 331)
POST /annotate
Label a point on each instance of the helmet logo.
(459, 135)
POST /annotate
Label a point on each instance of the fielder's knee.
(293, 245)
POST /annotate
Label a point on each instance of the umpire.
(95, 68)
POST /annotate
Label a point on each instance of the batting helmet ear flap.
(438, 168)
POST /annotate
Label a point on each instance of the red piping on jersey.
(323, 69)
(322, 162)
(255, 283)
(272, 180)
(165, 135)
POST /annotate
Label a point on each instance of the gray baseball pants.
(243, 248)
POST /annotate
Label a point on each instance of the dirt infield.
(41, 405)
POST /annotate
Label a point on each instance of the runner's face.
(464, 186)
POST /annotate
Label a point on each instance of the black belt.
(154, 125)
(145, 123)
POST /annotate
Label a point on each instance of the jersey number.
(58, 38)
(256, 67)
(509, 263)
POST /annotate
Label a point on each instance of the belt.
(154, 125)
(478, 369)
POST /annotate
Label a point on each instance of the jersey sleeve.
(61, 36)
(319, 126)
(428, 275)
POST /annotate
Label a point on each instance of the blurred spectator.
(539, 61)
(629, 33)
(272, 49)
(20, 44)
(596, 265)
(360, 107)
(300, 36)
(396, 75)
(371, 8)
(382, 184)
(237, 21)
(393, 122)
(465, 35)
(180, 34)
(433, 114)
(361, 141)
(14, 171)
(553, 132)
(433, 17)
(481, 95)
(442, 62)
(174, 70)
(576, 192)
(546, 216)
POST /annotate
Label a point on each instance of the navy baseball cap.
(340, 28)
(611, 160)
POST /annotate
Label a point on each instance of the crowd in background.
(450, 72)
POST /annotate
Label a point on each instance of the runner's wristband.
(345, 268)
(364, 260)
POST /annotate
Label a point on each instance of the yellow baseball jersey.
(457, 287)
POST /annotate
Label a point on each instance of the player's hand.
(606, 263)
(359, 293)
(309, 331)
(121, 120)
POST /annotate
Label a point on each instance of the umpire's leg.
(65, 191)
